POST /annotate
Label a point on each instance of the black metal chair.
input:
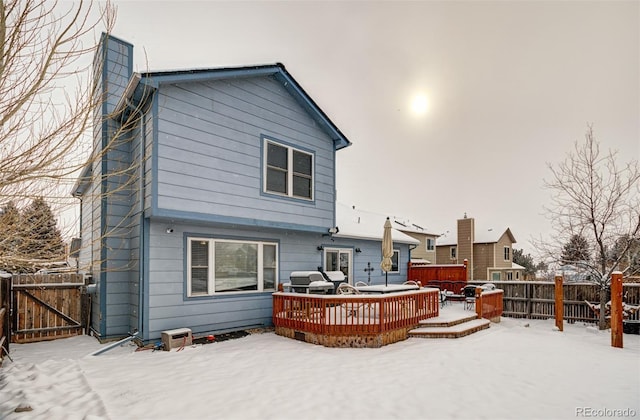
(469, 297)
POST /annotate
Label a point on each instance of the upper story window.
(222, 266)
(453, 252)
(288, 171)
(507, 253)
(431, 244)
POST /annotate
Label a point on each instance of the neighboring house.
(363, 231)
(425, 252)
(221, 183)
(574, 273)
(489, 252)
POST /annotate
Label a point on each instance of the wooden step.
(454, 331)
(448, 319)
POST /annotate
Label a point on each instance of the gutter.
(123, 102)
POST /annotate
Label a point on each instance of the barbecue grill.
(335, 277)
(310, 282)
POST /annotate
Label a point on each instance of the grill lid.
(335, 275)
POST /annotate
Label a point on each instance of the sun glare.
(419, 104)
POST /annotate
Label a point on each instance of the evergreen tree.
(576, 250)
(525, 260)
(627, 251)
(42, 239)
(10, 228)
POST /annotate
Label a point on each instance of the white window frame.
(506, 253)
(432, 242)
(453, 252)
(211, 265)
(290, 172)
(396, 252)
(340, 251)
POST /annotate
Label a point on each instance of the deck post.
(616, 309)
(559, 303)
(479, 302)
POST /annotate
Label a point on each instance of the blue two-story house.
(205, 190)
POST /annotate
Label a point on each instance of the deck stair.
(450, 325)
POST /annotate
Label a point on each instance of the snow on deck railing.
(353, 314)
(489, 304)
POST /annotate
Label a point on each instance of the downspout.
(78, 258)
(141, 253)
(411, 248)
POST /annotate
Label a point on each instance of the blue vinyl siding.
(209, 152)
(170, 308)
(200, 150)
(112, 195)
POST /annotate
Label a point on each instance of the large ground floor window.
(225, 266)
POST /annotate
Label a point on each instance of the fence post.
(559, 303)
(528, 290)
(616, 309)
(479, 302)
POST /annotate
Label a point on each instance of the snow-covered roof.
(482, 236)
(419, 261)
(516, 266)
(450, 237)
(358, 224)
(406, 225)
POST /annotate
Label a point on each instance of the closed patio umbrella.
(387, 250)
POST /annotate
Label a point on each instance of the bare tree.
(48, 96)
(596, 198)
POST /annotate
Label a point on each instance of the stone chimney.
(466, 238)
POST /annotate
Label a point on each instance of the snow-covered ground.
(516, 369)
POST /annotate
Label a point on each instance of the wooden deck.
(353, 320)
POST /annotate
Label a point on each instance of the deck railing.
(489, 304)
(351, 315)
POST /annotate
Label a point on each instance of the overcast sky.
(511, 85)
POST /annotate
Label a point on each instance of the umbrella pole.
(386, 279)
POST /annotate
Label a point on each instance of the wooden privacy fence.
(352, 320)
(536, 299)
(47, 307)
(452, 277)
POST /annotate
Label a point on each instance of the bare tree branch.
(593, 198)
